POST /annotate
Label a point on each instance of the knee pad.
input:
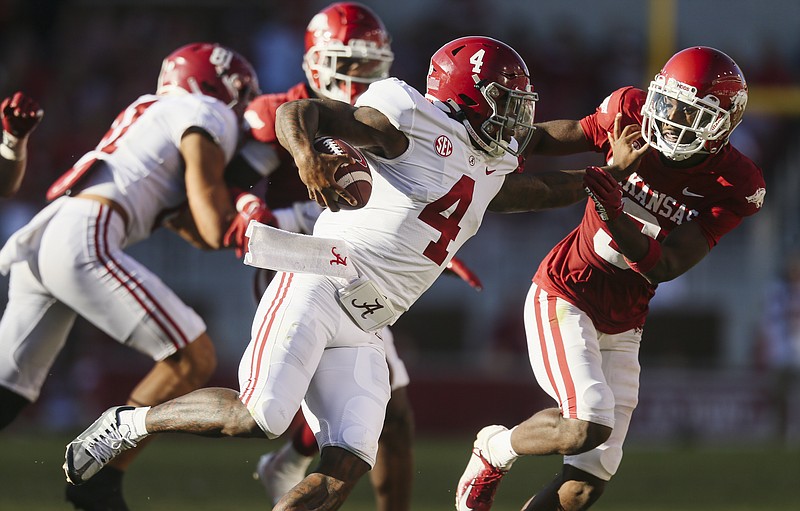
(276, 402)
(599, 401)
(274, 397)
(274, 418)
(601, 462)
(347, 400)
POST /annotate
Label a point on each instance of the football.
(355, 177)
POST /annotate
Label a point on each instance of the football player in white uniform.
(163, 152)
(437, 162)
(347, 48)
(19, 115)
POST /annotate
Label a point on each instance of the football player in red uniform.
(19, 115)
(587, 305)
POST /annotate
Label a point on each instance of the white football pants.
(304, 349)
(591, 375)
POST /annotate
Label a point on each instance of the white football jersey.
(425, 204)
(144, 170)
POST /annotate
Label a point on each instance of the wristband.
(650, 259)
(244, 199)
(12, 148)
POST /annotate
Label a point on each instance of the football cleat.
(279, 471)
(101, 442)
(478, 484)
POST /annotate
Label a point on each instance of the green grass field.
(181, 473)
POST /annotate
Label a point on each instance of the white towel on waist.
(276, 249)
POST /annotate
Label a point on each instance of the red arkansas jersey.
(586, 268)
(284, 185)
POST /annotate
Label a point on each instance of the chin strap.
(459, 115)
(686, 156)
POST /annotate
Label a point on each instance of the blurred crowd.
(84, 60)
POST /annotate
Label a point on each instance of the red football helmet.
(486, 84)
(347, 48)
(694, 103)
(210, 69)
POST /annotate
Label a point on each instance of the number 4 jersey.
(586, 269)
(425, 203)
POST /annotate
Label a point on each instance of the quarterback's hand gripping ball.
(354, 177)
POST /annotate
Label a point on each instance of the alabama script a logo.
(342, 261)
(368, 307)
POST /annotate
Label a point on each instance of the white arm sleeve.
(300, 217)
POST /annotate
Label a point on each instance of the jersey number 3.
(442, 216)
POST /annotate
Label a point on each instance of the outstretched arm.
(536, 191)
(299, 123)
(557, 138)
(532, 192)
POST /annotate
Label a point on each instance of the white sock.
(139, 416)
(503, 455)
(135, 420)
(290, 458)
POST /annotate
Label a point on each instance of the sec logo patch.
(443, 146)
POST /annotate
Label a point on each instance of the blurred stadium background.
(708, 378)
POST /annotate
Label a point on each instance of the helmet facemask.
(510, 127)
(343, 72)
(678, 123)
(242, 91)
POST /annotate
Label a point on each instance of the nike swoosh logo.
(489, 172)
(687, 193)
